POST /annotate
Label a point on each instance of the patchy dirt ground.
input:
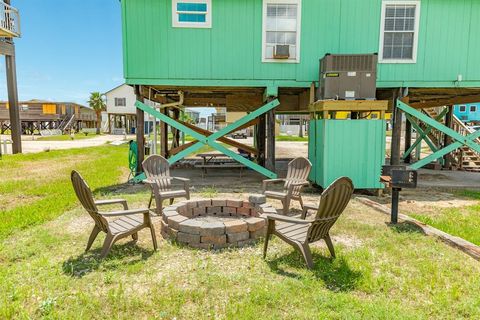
(427, 201)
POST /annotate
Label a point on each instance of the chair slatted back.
(84, 194)
(333, 202)
(298, 171)
(157, 168)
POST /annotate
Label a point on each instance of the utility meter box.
(348, 77)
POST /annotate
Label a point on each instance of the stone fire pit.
(216, 224)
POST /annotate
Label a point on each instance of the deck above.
(9, 21)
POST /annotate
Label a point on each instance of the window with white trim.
(281, 30)
(463, 108)
(192, 13)
(399, 31)
(120, 102)
(473, 108)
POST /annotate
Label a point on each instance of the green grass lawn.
(379, 273)
(463, 221)
(291, 138)
(66, 137)
(36, 187)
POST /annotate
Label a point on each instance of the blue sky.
(68, 49)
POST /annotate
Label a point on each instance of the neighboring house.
(121, 111)
(290, 124)
(468, 113)
(37, 115)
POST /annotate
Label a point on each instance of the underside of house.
(263, 57)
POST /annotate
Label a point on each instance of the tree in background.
(97, 103)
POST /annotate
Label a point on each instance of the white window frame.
(464, 108)
(264, 29)
(175, 15)
(385, 3)
(473, 108)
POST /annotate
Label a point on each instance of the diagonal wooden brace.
(431, 122)
(211, 140)
(423, 134)
(461, 140)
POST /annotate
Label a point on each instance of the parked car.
(239, 135)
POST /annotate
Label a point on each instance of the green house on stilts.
(262, 57)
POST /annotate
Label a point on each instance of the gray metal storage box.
(348, 77)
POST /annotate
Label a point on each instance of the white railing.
(9, 20)
(462, 128)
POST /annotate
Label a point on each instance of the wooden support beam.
(447, 140)
(260, 136)
(225, 140)
(179, 149)
(348, 105)
(14, 112)
(396, 135)
(448, 101)
(408, 140)
(270, 155)
(175, 132)
(140, 132)
(164, 135)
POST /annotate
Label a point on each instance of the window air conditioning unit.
(348, 77)
(282, 51)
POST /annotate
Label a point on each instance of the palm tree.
(97, 103)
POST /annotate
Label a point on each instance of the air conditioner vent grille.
(353, 62)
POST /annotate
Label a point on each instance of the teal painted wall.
(352, 148)
(230, 52)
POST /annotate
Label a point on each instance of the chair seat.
(293, 231)
(275, 194)
(173, 193)
(125, 224)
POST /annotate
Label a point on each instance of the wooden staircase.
(464, 158)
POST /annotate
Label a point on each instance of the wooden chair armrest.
(300, 183)
(153, 180)
(307, 207)
(277, 217)
(112, 201)
(266, 182)
(181, 179)
(125, 212)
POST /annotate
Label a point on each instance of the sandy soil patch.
(10, 201)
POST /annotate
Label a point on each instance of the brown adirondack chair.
(300, 233)
(128, 224)
(157, 170)
(296, 179)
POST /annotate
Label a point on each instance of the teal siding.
(230, 52)
(352, 148)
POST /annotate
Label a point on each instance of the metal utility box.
(348, 77)
(354, 148)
